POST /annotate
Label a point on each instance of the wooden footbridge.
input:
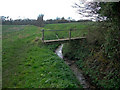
(60, 40)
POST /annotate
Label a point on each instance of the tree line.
(37, 22)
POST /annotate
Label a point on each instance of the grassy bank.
(102, 71)
(27, 63)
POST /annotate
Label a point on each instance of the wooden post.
(70, 34)
(43, 35)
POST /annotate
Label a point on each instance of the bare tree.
(89, 10)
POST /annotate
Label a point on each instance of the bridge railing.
(43, 33)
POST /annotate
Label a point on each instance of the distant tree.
(3, 18)
(69, 18)
(57, 18)
(40, 21)
(62, 18)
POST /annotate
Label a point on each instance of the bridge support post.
(43, 35)
(70, 34)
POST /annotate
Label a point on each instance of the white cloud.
(32, 8)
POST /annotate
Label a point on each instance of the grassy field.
(28, 63)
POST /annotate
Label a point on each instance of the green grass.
(27, 63)
(78, 30)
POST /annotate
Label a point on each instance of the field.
(29, 63)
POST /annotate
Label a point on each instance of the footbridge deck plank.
(60, 40)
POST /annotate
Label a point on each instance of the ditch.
(77, 72)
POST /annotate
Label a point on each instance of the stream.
(78, 73)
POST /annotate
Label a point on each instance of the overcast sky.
(32, 8)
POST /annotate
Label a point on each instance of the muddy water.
(78, 73)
